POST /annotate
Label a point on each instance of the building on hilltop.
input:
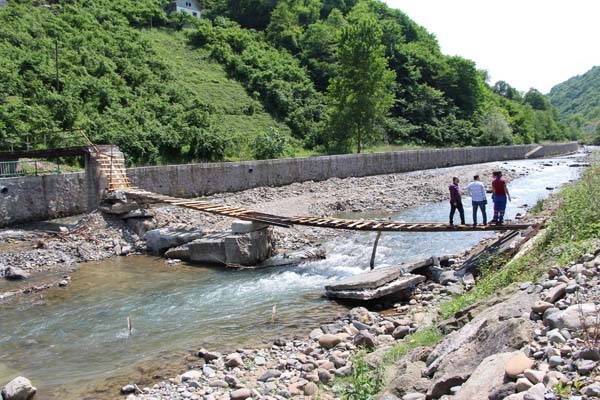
(191, 7)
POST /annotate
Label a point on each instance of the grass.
(423, 338)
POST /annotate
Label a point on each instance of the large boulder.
(19, 388)
(504, 327)
(159, 240)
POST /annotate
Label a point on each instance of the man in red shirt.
(456, 201)
(499, 196)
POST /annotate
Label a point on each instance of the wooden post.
(372, 264)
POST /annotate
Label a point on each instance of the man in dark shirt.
(456, 201)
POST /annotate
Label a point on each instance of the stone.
(584, 367)
(310, 389)
(208, 355)
(414, 396)
(13, 273)
(517, 364)
(329, 341)
(19, 388)
(324, 375)
(240, 394)
(592, 390)
(218, 383)
(587, 354)
(574, 317)
(400, 332)
(503, 391)
(234, 360)
(523, 384)
(260, 360)
(365, 339)
(271, 373)
(360, 314)
(315, 334)
(534, 376)
(159, 240)
(556, 293)
(535, 393)
(128, 389)
(555, 361)
(541, 306)
(209, 249)
(191, 375)
(487, 376)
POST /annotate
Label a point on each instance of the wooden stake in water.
(273, 312)
(129, 326)
(372, 264)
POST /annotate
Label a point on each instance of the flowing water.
(67, 338)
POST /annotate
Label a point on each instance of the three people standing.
(477, 192)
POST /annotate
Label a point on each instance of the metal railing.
(9, 169)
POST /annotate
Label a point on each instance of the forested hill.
(578, 100)
(251, 79)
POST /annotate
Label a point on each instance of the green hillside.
(256, 79)
(578, 101)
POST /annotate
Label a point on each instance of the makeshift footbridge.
(114, 170)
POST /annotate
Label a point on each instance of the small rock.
(517, 365)
(534, 376)
(310, 389)
(240, 394)
(272, 373)
(400, 332)
(329, 341)
(19, 388)
(592, 390)
(234, 360)
(365, 339)
(523, 384)
(128, 389)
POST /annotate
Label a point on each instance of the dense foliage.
(314, 74)
(578, 102)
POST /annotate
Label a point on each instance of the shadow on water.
(69, 340)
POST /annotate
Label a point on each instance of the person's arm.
(507, 194)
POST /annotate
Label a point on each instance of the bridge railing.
(9, 169)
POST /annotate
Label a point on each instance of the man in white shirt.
(477, 192)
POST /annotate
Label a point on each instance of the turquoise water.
(67, 340)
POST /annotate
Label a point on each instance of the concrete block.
(159, 240)
(208, 250)
(240, 226)
(248, 248)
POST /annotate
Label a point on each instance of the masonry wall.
(191, 180)
(40, 198)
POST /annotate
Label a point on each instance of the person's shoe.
(474, 225)
(499, 223)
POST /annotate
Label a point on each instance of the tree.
(362, 92)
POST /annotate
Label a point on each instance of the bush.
(269, 144)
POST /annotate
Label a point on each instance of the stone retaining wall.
(40, 198)
(190, 180)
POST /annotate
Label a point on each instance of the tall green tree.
(361, 93)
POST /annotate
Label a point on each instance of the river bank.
(307, 191)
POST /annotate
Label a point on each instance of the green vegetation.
(364, 382)
(248, 76)
(573, 225)
(426, 337)
(578, 102)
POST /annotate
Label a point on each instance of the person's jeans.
(461, 211)
(476, 205)
(499, 207)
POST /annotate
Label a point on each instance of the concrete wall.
(52, 196)
(191, 180)
(42, 197)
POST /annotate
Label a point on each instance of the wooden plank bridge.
(321, 222)
(113, 167)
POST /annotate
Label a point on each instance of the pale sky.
(527, 43)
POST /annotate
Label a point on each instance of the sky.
(526, 43)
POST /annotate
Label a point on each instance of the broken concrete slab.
(209, 249)
(400, 284)
(249, 248)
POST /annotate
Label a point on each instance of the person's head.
(497, 174)
(476, 178)
(455, 180)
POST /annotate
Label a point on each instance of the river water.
(68, 340)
